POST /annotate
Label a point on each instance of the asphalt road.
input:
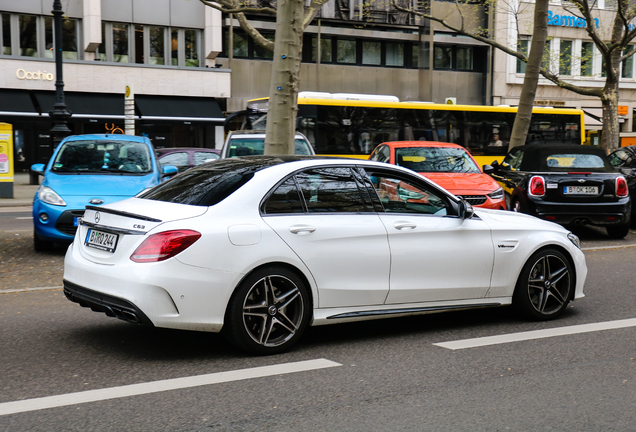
(381, 375)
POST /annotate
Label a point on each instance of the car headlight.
(498, 194)
(49, 196)
(575, 240)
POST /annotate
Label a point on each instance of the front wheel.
(268, 312)
(618, 231)
(545, 285)
(41, 245)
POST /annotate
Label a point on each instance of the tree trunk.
(283, 93)
(529, 89)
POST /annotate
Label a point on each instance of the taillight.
(537, 186)
(621, 187)
(164, 245)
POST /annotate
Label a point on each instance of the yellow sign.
(6, 160)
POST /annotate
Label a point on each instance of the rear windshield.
(203, 186)
(256, 146)
(576, 162)
(103, 156)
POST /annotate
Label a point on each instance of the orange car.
(448, 165)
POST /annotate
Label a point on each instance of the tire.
(268, 312)
(41, 245)
(516, 206)
(618, 231)
(545, 285)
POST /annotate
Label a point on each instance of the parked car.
(568, 184)
(449, 165)
(252, 143)
(90, 170)
(186, 157)
(624, 160)
(262, 247)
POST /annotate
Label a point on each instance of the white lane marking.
(25, 217)
(537, 334)
(161, 386)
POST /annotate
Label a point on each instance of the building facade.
(165, 50)
(571, 53)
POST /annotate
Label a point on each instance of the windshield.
(103, 156)
(435, 159)
(256, 146)
(575, 162)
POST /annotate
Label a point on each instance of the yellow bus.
(354, 124)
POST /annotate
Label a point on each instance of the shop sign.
(568, 21)
(22, 74)
(549, 103)
(623, 110)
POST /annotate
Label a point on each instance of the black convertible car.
(566, 183)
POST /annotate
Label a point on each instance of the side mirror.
(38, 168)
(169, 170)
(488, 169)
(495, 165)
(465, 210)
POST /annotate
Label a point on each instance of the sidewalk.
(23, 192)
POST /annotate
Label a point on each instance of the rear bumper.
(110, 305)
(599, 214)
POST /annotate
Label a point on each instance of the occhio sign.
(22, 74)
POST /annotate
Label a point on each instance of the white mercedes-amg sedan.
(261, 247)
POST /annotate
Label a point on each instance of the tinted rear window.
(204, 186)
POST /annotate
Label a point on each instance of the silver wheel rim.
(273, 310)
(549, 284)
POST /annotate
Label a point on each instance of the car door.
(435, 255)
(333, 228)
(509, 175)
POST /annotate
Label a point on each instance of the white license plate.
(101, 240)
(580, 190)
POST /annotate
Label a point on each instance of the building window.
(628, 63)
(346, 51)
(6, 34)
(464, 58)
(239, 44)
(565, 57)
(191, 48)
(443, 57)
(174, 47)
(139, 44)
(371, 53)
(326, 49)
(120, 43)
(262, 53)
(69, 38)
(394, 54)
(522, 47)
(157, 49)
(28, 35)
(587, 58)
(415, 56)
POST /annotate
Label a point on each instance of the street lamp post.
(59, 114)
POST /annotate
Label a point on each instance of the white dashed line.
(161, 386)
(536, 334)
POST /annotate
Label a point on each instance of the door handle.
(301, 229)
(400, 225)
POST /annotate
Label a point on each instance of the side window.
(177, 159)
(402, 194)
(513, 160)
(285, 199)
(381, 154)
(331, 190)
(200, 157)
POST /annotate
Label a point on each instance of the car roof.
(536, 154)
(105, 137)
(402, 144)
(178, 149)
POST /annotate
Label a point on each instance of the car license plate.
(101, 240)
(580, 190)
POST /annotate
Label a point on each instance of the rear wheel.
(618, 231)
(545, 285)
(516, 206)
(268, 312)
(41, 245)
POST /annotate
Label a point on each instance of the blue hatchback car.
(90, 170)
